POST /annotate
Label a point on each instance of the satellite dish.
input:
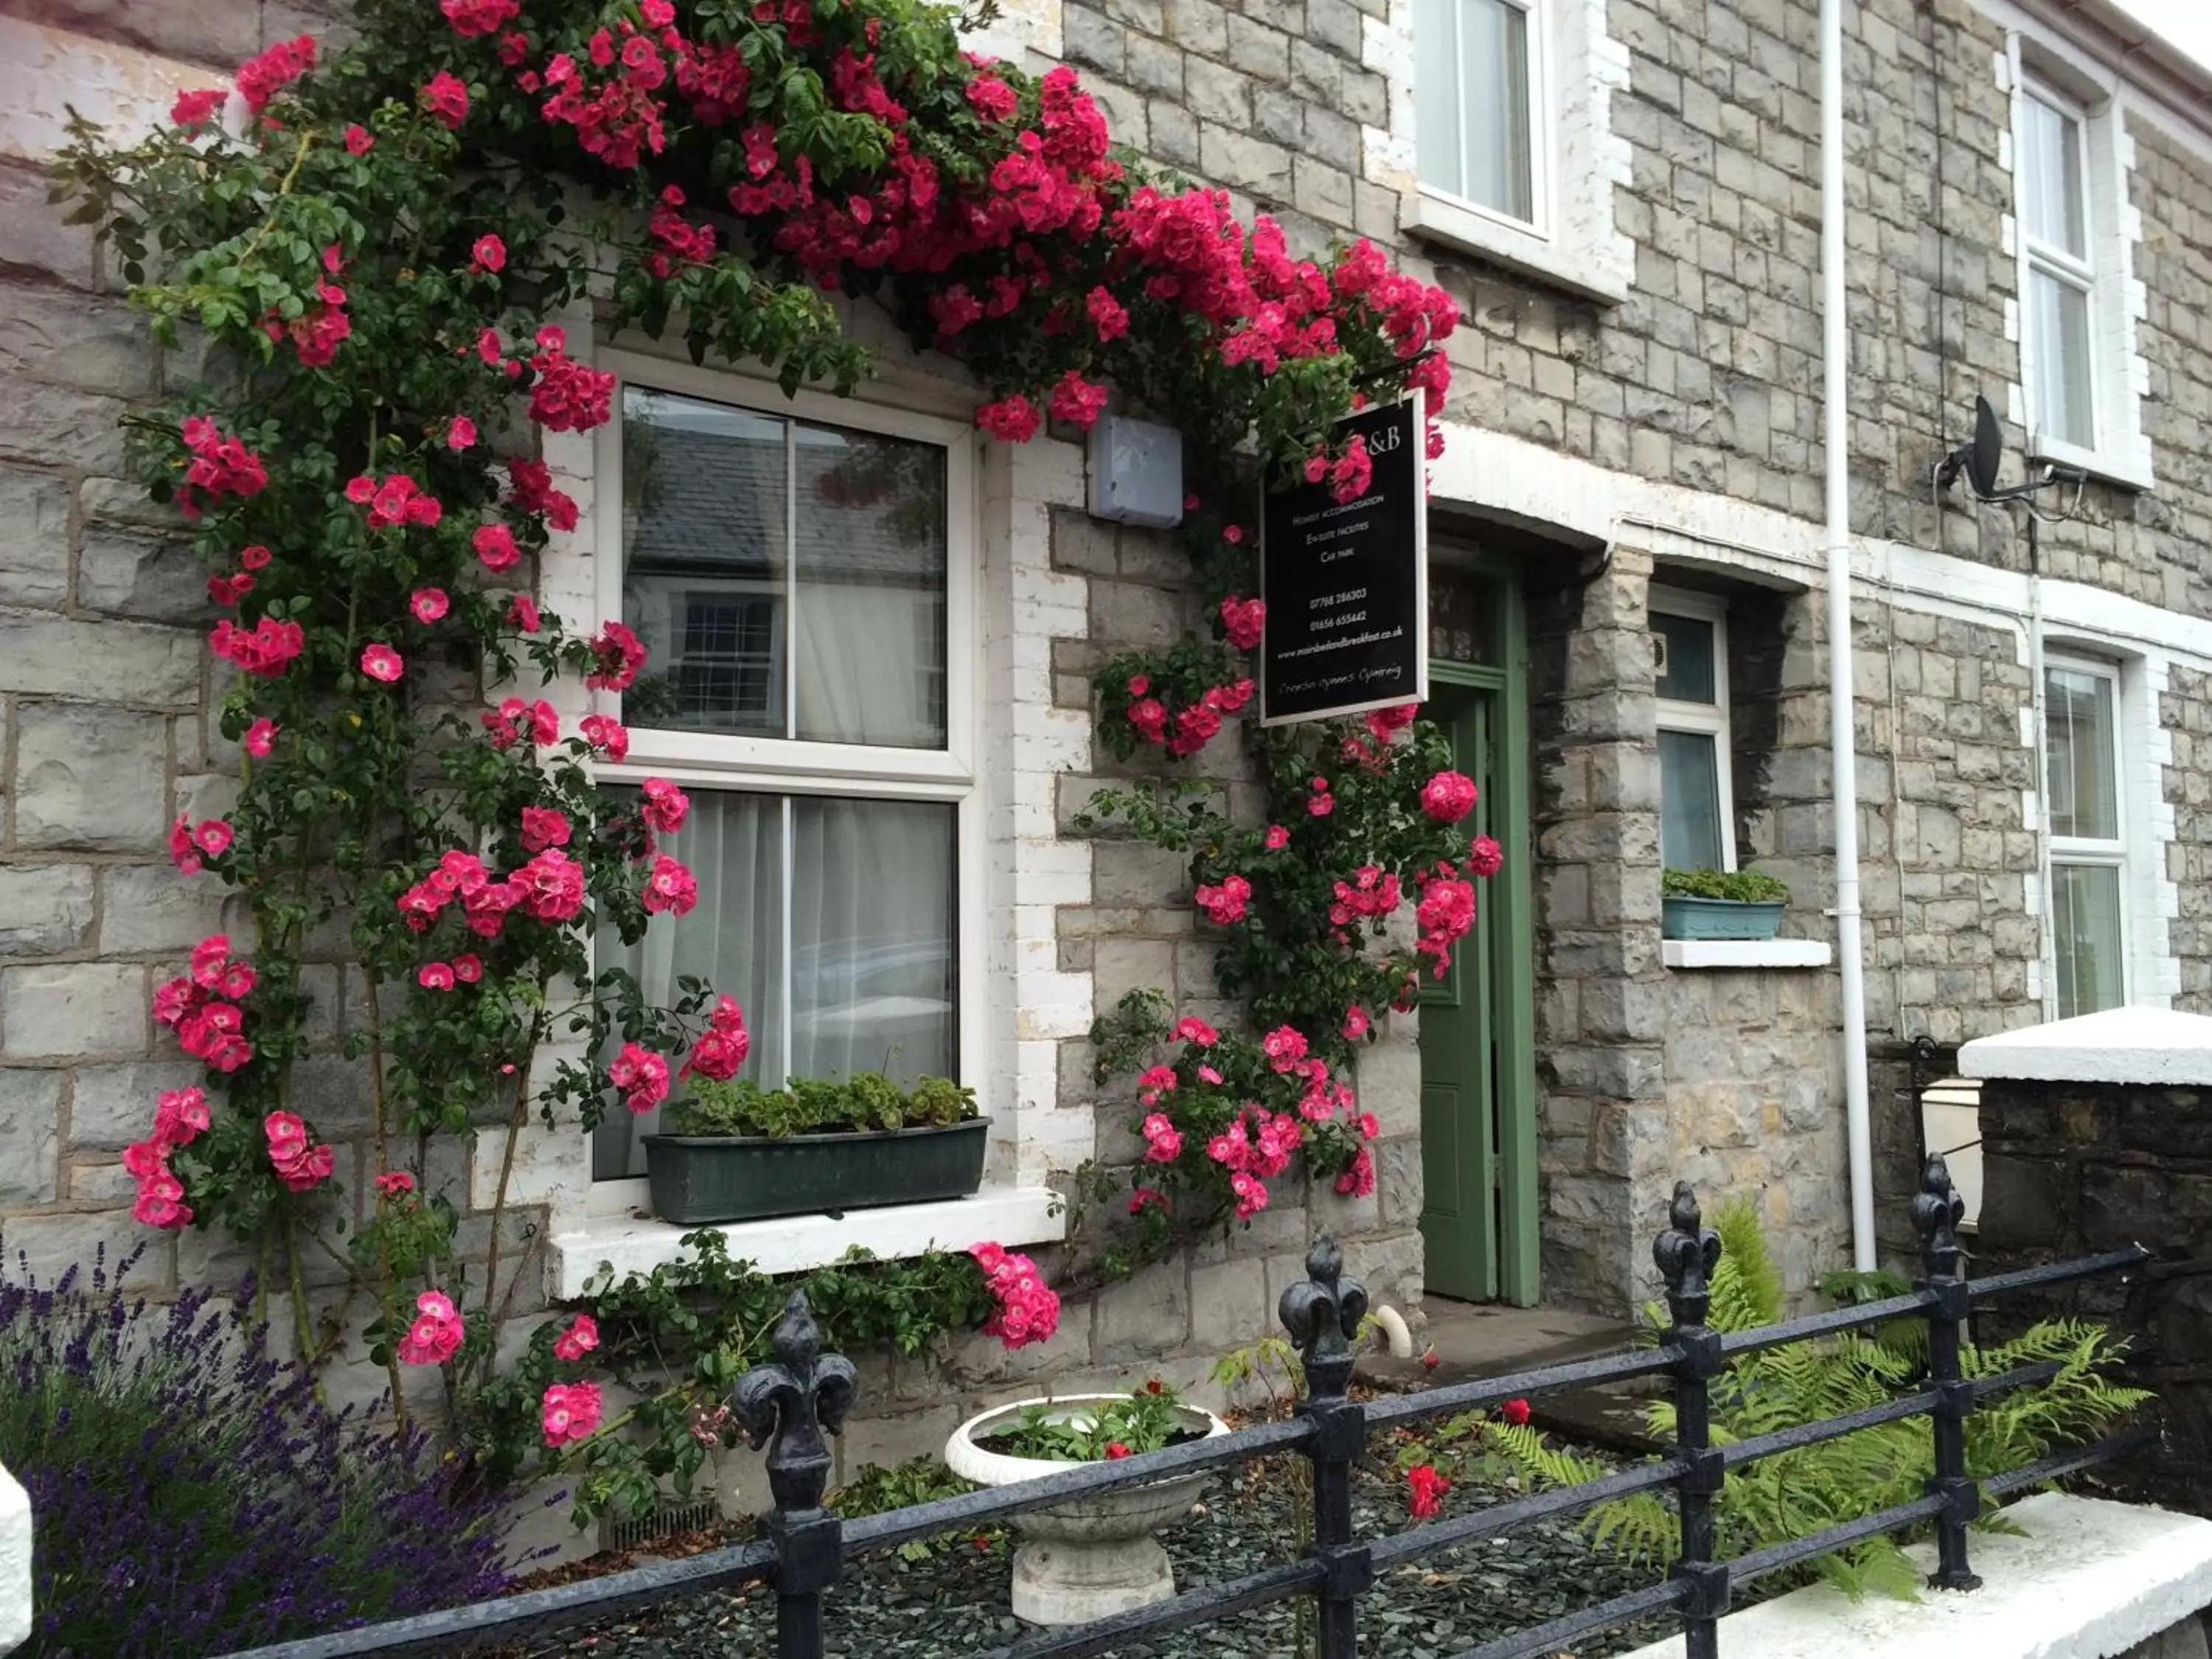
(1987, 454)
(1979, 460)
(1982, 459)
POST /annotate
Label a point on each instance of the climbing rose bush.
(385, 249)
(1309, 912)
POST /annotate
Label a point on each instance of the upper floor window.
(2081, 373)
(1507, 127)
(1696, 810)
(2088, 846)
(1481, 112)
(803, 586)
(2061, 272)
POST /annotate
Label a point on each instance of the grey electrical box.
(1136, 471)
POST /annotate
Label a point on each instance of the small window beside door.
(1697, 813)
(2088, 848)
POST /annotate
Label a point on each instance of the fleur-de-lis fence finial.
(1321, 1313)
(1686, 1254)
(1937, 1210)
(791, 1400)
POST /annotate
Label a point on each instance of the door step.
(1470, 1340)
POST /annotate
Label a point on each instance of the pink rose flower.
(193, 109)
(260, 736)
(1243, 620)
(542, 827)
(1011, 420)
(606, 735)
(495, 545)
(569, 1412)
(1448, 797)
(381, 662)
(671, 887)
(1224, 905)
(579, 1339)
(666, 805)
(428, 604)
(642, 1075)
(446, 97)
(436, 1332)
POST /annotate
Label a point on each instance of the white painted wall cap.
(2086, 1578)
(2120, 1045)
(14, 1564)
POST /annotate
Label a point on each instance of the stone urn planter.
(1088, 1557)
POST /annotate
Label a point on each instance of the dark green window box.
(701, 1178)
(1709, 918)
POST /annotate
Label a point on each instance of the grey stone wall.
(2072, 1168)
(2185, 711)
(1649, 1074)
(1600, 984)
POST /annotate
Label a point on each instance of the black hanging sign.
(1346, 583)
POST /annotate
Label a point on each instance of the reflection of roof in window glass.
(705, 487)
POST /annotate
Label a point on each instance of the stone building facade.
(1634, 432)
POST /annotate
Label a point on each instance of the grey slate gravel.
(954, 1603)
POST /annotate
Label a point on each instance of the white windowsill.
(1746, 952)
(1440, 220)
(1012, 1216)
(2129, 471)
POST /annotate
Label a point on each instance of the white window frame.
(2083, 850)
(2119, 451)
(1572, 240)
(1537, 21)
(792, 766)
(1706, 720)
(2078, 272)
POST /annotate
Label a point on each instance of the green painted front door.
(1479, 1222)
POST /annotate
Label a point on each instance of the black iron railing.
(786, 1404)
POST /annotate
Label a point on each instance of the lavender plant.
(189, 1494)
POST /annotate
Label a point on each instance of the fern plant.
(1793, 1493)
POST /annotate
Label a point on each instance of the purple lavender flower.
(190, 1495)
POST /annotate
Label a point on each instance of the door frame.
(1510, 894)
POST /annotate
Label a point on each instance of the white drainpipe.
(1843, 739)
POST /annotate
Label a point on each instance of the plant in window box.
(1714, 904)
(1090, 1557)
(736, 1152)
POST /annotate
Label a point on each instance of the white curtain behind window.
(733, 939)
(869, 982)
(871, 937)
